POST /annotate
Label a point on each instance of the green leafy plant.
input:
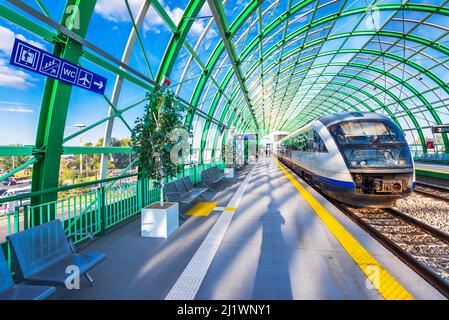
(152, 137)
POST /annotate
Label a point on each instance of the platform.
(431, 170)
(269, 244)
(432, 167)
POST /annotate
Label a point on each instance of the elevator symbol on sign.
(27, 57)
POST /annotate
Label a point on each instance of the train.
(361, 159)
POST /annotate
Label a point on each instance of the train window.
(309, 141)
(366, 132)
(321, 147)
(372, 143)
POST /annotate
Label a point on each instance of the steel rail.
(434, 186)
(422, 270)
(433, 195)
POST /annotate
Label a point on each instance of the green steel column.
(55, 104)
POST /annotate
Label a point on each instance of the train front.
(378, 158)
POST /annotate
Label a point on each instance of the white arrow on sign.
(99, 84)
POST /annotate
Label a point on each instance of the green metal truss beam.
(97, 150)
(282, 18)
(178, 38)
(220, 19)
(420, 40)
(11, 151)
(124, 72)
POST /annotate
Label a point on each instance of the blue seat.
(211, 176)
(44, 255)
(11, 291)
(183, 191)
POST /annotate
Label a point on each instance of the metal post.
(102, 196)
(55, 104)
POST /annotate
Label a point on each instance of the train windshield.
(371, 143)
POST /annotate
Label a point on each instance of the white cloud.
(14, 78)
(116, 11)
(16, 109)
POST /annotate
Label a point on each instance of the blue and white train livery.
(361, 159)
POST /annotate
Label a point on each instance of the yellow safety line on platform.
(202, 209)
(431, 170)
(230, 209)
(380, 278)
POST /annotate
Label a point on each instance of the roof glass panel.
(261, 65)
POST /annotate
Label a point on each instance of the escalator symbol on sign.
(29, 57)
(50, 66)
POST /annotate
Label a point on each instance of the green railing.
(105, 204)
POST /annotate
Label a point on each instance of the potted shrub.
(152, 140)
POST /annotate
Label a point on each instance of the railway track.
(423, 248)
(433, 191)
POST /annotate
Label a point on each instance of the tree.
(152, 140)
(11, 162)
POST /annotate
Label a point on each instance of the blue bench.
(11, 291)
(182, 191)
(434, 158)
(43, 255)
(211, 176)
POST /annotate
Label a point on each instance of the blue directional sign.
(246, 136)
(29, 57)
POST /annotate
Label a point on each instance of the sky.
(21, 91)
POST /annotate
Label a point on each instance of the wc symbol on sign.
(69, 73)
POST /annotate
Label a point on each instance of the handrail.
(75, 186)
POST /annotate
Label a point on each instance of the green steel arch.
(361, 33)
(417, 39)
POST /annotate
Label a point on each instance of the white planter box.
(159, 223)
(229, 172)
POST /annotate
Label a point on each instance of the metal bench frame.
(42, 254)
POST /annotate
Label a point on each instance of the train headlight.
(353, 163)
(362, 163)
(402, 162)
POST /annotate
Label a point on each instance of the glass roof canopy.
(253, 65)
